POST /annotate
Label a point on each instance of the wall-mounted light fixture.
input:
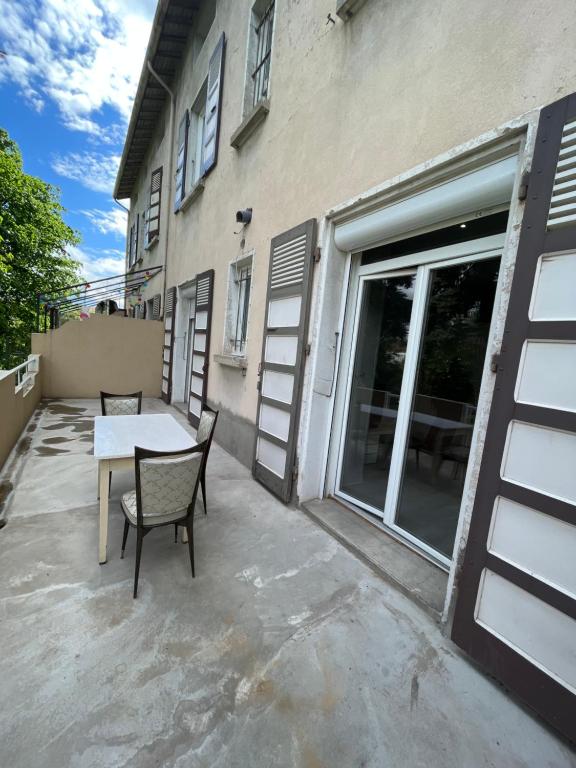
(244, 217)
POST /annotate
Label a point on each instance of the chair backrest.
(206, 427)
(121, 405)
(167, 482)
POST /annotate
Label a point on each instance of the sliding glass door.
(418, 351)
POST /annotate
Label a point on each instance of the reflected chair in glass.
(165, 494)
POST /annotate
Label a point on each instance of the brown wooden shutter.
(201, 346)
(182, 151)
(516, 607)
(213, 107)
(153, 217)
(168, 351)
(283, 358)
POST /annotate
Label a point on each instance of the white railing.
(23, 374)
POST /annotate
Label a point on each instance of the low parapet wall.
(114, 354)
(20, 392)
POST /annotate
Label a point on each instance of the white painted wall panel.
(284, 312)
(281, 349)
(554, 297)
(547, 374)
(271, 456)
(541, 458)
(199, 342)
(165, 370)
(275, 421)
(196, 385)
(202, 320)
(168, 323)
(197, 363)
(195, 406)
(533, 628)
(278, 386)
(539, 544)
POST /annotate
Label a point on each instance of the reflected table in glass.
(115, 438)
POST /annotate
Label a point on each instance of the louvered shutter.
(201, 346)
(180, 190)
(213, 107)
(283, 358)
(156, 307)
(130, 246)
(516, 607)
(136, 236)
(168, 351)
(153, 217)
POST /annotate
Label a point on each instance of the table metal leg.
(103, 470)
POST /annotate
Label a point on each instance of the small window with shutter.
(153, 213)
(181, 152)
(213, 108)
(259, 54)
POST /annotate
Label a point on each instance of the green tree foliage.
(33, 258)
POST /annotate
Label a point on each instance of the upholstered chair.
(121, 405)
(165, 494)
(205, 433)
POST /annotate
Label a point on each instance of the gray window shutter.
(129, 248)
(283, 358)
(180, 190)
(168, 349)
(153, 217)
(136, 237)
(213, 107)
(516, 608)
(156, 307)
(201, 346)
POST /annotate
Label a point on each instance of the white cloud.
(93, 170)
(82, 54)
(98, 264)
(108, 222)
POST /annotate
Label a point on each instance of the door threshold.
(416, 576)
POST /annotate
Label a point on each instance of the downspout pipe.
(157, 77)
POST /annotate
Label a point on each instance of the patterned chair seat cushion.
(121, 406)
(129, 507)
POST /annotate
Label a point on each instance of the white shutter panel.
(180, 190)
(213, 108)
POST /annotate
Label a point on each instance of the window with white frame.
(259, 53)
(196, 137)
(239, 289)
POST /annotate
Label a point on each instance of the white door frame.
(421, 264)
(185, 309)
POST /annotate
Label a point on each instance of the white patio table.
(114, 440)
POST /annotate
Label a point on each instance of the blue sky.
(66, 89)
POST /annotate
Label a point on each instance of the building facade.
(366, 218)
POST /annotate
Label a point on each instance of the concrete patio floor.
(284, 651)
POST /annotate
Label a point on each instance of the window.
(259, 53)
(153, 212)
(240, 283)
(196, 136)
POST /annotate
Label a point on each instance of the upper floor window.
(260, 52)
(196, 135)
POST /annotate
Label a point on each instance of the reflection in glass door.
(420, 345)
(451, 361)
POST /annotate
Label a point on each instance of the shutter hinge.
(495, 362)
(307, 350)
(523, 186)
(317, 254)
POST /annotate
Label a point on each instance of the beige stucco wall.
(352, 105)
(113, 354)
(16, 408)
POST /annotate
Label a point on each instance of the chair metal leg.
(140, 536)
(203, 484)
(124, 537)
(189, 528)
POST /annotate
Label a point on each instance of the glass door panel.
(451, 359)
(381, 340)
